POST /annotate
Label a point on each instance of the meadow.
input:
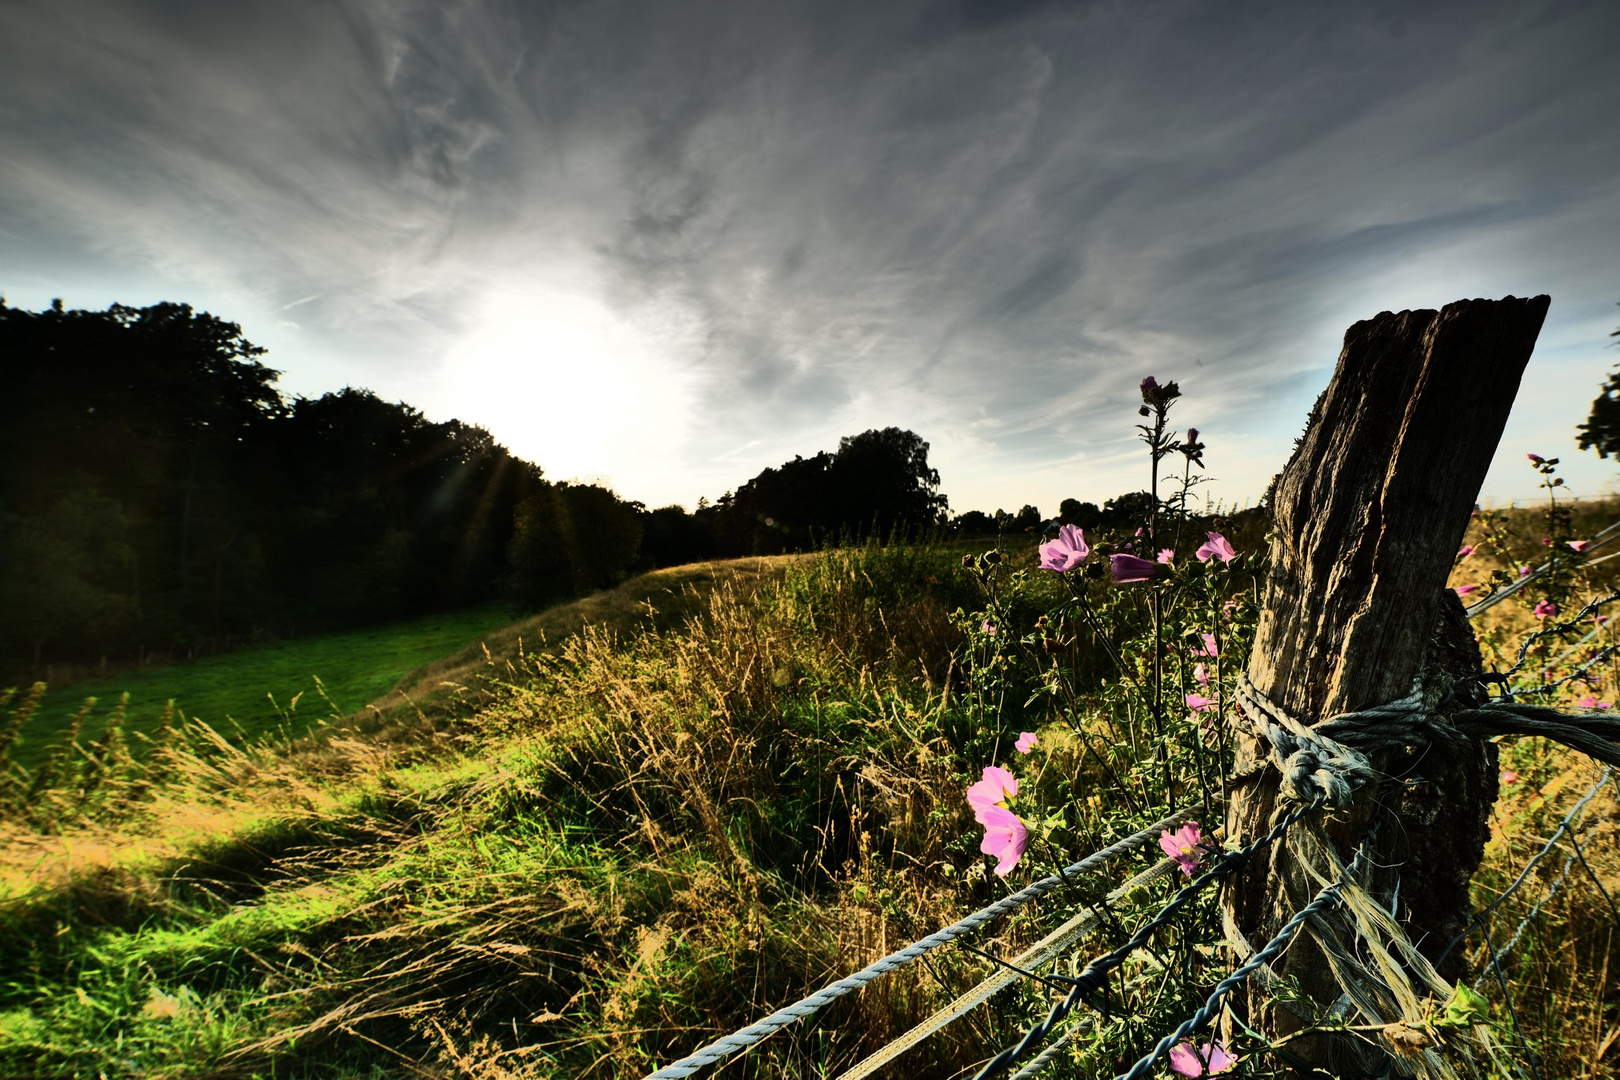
(590, 842)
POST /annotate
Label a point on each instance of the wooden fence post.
(1368, 517)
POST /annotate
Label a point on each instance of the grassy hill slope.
(668, 812)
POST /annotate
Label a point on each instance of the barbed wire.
(1480, 918)
(1486, 603)
(723, 1048)
(1530, 916)
(1329, 897)
(1007, 973)
(1096, 972)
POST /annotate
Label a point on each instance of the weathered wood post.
(1368, 516)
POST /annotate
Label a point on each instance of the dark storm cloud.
(986, 220)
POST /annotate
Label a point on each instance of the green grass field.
(252, 692)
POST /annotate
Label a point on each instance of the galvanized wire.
(721, 1049)
(1096, 973)
(1326, 899)
(1480, 918)
(1530, 916)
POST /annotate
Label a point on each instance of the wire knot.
(1315, 768)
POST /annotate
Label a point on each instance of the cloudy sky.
(669, 244)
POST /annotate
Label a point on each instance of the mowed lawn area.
(250, 693)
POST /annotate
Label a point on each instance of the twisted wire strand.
(1557, 628)
(738, 1041)
(1502, 594)
(1096, 972)
(1567, 825)
(1033, 957)
(1530, 916)
(1324, 900)
(1040, 1061)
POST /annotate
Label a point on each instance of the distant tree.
(571, 539)
(1083, 514)
(1128, 511)
(974, 523)
(1601, 432)
(670, 536)
(876, 481)
(1028, 519)
(882, 479)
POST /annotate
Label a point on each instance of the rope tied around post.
(1330, 761)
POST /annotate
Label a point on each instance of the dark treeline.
(158, 495)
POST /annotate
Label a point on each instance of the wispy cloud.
(982, 221)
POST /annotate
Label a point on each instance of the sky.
(667, 245)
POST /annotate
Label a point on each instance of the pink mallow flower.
(1130, 568)
(1465, 551)
(1005, 837)
(1201, 674)
(1026, 742)
(1208, 1060)
(1464, 590)
(1199, 703)
(1590, 702)
(1208, 648)
(1167, 556)
(1183, 846)
(1545, 609)
(1509, 776)
(1537, 458)
(1524, 571)
(1578, 545)
(1216, 547)
(1067, 552)
(988, 627)
(992, 791)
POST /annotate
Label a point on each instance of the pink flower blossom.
(1590, 702)
(1465, 551)
(1464, 590)
(1578, 545)
(1545, 609)
(1208, 648)
(1201, 674)
(1509, 776)
(1546, 541)
(1537, 458)
(1026, 742)
(1148, 385)
(1183, 846)
(1207, 1060)
(1192, 434)
(1005, 837)
(1524, 571)
(1601, 620)
(1199, 703)
(1067, 552)
(1130, 568)
(992, 791)
(1216, 547)
(1167, 556)
(988, 627)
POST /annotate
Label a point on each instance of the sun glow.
(563, 381)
